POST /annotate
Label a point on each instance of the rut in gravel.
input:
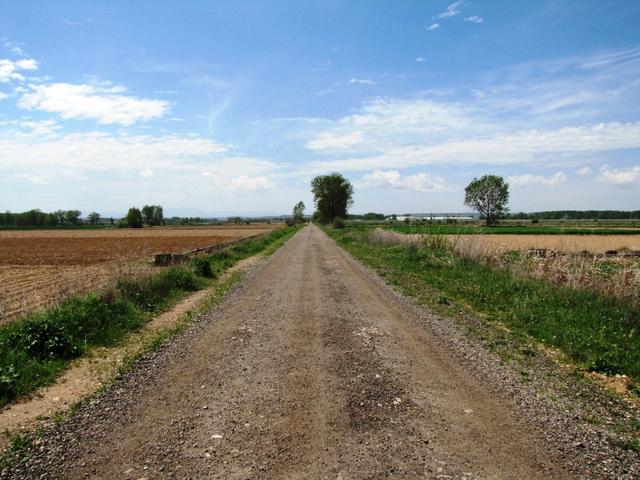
(310, 370)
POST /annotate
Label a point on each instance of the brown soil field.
(39, 268)
(560, 243)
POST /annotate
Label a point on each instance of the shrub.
(202, 267)
(43, 339)
(150, 293)
(338, 222)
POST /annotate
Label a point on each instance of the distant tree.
(59, 216)
(298, 212)
(93, 218)
(111, 221)
(157, 217)
(373, 216)
(333, 195)
(72, 216)
(394, 217)
(134, 218)
(147, 214)
(488, 195)
(153, 215)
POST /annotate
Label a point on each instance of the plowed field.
(39, 268)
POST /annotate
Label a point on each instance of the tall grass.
(618, 277)
(509, 229)
(597, 331)
(35, 349)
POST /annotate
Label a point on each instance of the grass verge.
(37, 348)
(596, 332)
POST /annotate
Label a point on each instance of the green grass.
(597, 332)
(37, 348)
(509, 229)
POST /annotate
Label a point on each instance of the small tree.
(93, 218)
(333, 195)
(134, 218)
(489, 196)
(298, 212)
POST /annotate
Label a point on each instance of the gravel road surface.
(312, 368)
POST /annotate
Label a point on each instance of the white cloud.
(147, 172)
(433, 26)
(98, 151)
(35, 179)
(39, 128)
(86, 101)
(9, 69)
(384, 122)
(362, 81)
(583, 171)
(392, 179)
(326, 91)
(452, 10)
(420, 59)
(620, 177)
(526, 180)
(71, 23)
(26, 64)
(244, 183)
(522, 147)
(474, 19)
(3, 95)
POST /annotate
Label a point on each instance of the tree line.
(151, 215)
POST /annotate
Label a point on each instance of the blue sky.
(232, 107)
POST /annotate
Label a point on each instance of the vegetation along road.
(313, 368)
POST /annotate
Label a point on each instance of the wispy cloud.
(420, 59)
(474, 19)
(451, 11)
(13, 47)
(107, 105)
(361, 81)
(71, 23)
(528, 179)
(35, 179)
(584, 171)
(392, 179)
(433, 26)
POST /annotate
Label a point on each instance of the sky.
(232, 107)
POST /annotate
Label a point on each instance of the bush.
(338, 222)
(43, 339)
(202, 267)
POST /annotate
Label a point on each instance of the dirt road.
(311, 369)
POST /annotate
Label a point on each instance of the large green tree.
(488, 195)
(333, 195)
